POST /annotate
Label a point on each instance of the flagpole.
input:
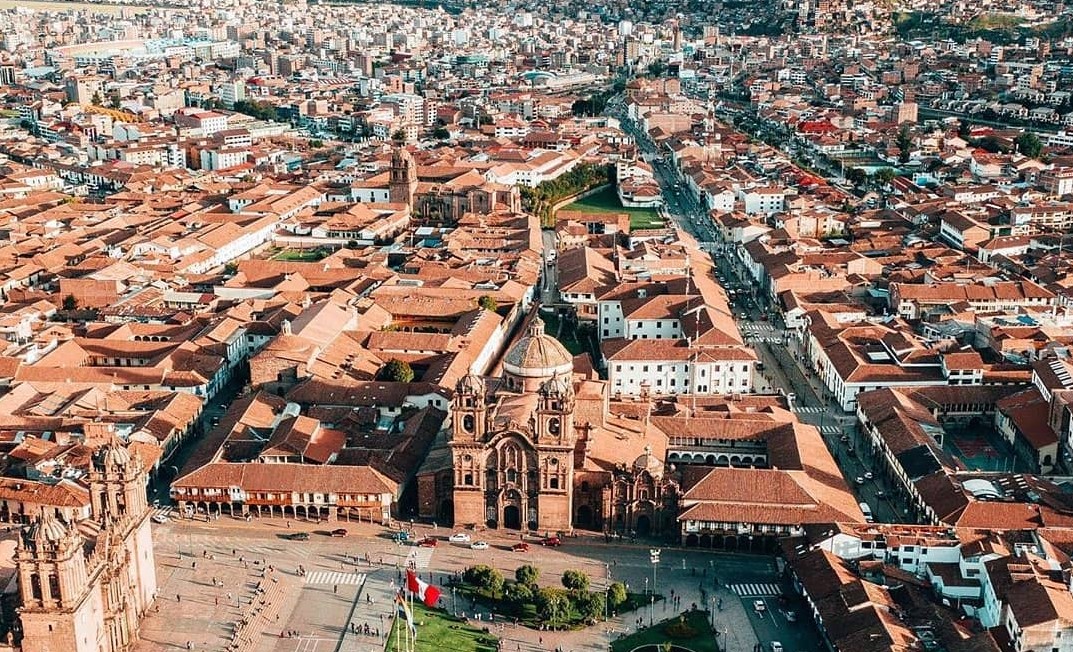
(413, 632)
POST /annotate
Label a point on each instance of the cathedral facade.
(443, 196)
(526, 451)
(83, 587)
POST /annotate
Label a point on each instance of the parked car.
(401, 536)
(791, 616)
(339, 532)
(860, 480)
(427, 542)
(479, 545)
(297, 536)
(759, 606)
(459, 537)
(520, 547)
(868, 475)
(159, 518)
(551, 542)
(881, 494)
(776, 646)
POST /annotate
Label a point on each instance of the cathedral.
(84, 586)
(443, 194)
(537, 449)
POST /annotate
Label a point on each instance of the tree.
(484, 120)
(114, 100)
(488, 303)
(527, 574)
(316, 143)
(965, 129)
(96, 99)
(885, 175)
(70, 303)
(657, 68)
(397, 371)
(518, 594)
(590, 606)
(399, 136)
(1029, 144)
(441, 133)
(231, 269)
(857, 176)
(575, 580)
(551, 605)
(616, 595)
(904, 143)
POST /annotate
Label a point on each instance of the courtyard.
(606, 201)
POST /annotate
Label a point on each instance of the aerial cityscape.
(696, 326)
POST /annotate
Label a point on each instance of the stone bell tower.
(555, 441)
(403, 183)
(60, 608)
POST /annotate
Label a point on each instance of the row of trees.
(551, 604)
(584, 176)
(258, 109)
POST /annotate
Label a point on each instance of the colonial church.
(537, 449)
(443, 194)
(84, 586)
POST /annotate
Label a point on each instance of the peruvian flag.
(425, 592)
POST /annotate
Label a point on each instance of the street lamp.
(653, 554)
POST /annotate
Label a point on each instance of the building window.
(468, 479)
(553, 483)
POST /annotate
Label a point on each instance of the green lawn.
(701, 641)
(568, 335)
(437, 631)
(606, 201)
(527, 613)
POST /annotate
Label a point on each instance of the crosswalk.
(809, 409)
(757, 327)
(763, 590)
(767, 340)
(419, 557)
(167, 511)
(335, 577)
(831, 430)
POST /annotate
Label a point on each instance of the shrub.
(575, 580)
(680, 629)
(527, 574)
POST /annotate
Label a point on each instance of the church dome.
(649, 462)
(538, 355)
(113, 455)
(471, 384)
(558, 386)
(47, 530)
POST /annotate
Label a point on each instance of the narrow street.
(778, 349)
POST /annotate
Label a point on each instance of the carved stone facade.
(521, 456)
(82, 594)
(445, 199)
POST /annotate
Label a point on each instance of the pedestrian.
(178, 598)
(335, 589)
(217, 600)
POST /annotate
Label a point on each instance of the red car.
(427, 542)
(520, 547)
(552, 542)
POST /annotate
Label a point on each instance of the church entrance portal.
(512, 517)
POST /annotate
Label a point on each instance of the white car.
(759, 606)
(459, 537)
(776, 646)
(868, 475)
(159, 518)
(479, 545)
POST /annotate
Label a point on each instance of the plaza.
(237, 586)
